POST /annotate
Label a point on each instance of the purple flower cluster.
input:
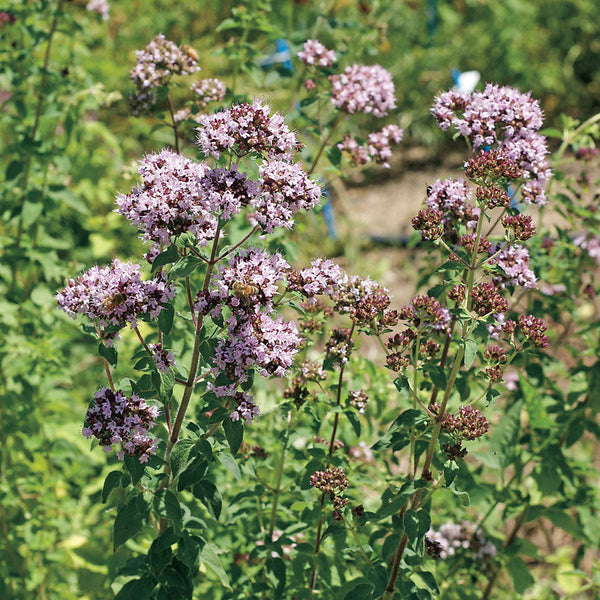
(362, 88)
(285, 189)
(244, 129)
(226, 191)
(452, 538)
(332, 482)
(247, 285)
(365, 301)
(155, 65)
(425, 312)
(452, 197)
(534, 329)
(315, 53)
(468, 423)
(170, 200)
(378, 147)
(114, 418)
(507, 119)
(102, 7)
(115, 295)
(208, 90)
(322, 277)
(359, 400)
(514, 267)
(591, 243)
(164, 359)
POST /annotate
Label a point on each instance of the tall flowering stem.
(487, 268)
(189, 388)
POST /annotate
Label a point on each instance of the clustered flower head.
(362, 88)
(425, 312)
(115, 295)
(114, 418)
(467, 423)
(358, 399)
(521, 226)
(306, 372)
(170, 200)
(339, 346)
(505, 119)
(208, 90)
(533, 328)
(247, 285)
(492, 166)
(452, 538)
(332, 482)
(315, 53)
(322, 277)
(365, 301)
(513, 263)
(487, 299)
(155, 65)
(286, 189)
(102, 7)
(378, 147)
(244, 129)
(164, 359)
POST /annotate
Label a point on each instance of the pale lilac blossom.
(114, 418)
(315, 53)
(363, 89)
(115, 295)
(208, 90)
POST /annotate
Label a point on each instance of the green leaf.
(276, 573)
(538, 415)
(136, 589)
(160, 555)
(112, 481)
(13, 169)
(206, 491)
(128, 522)
(173, 509)
(110, 354)
(471, 348)
(450, 472)
(334, 155)
(411, 524)
(165, 318)
(30, 213)
(184, 267)
(209, 557)
(520, 574)
(135, 468)
(170, 255)
(193, 473)
(229, 463)
(234, 432)
(180, 456)
(354, 421)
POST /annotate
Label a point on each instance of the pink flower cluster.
(322, 277)
(468, 423)
(102, 7)
(248, 285)
(285, 189)
(514, 269)
(363, 89)
(208, 90)
(453, 538)
(114, 418)
(315, 53)
(115, 295)
(156, 63)
(378, 148)
(244, 129)
(505, 118)
(163, 359)
(170, 200)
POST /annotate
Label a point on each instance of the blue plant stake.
(329, 216)
(281, 56)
